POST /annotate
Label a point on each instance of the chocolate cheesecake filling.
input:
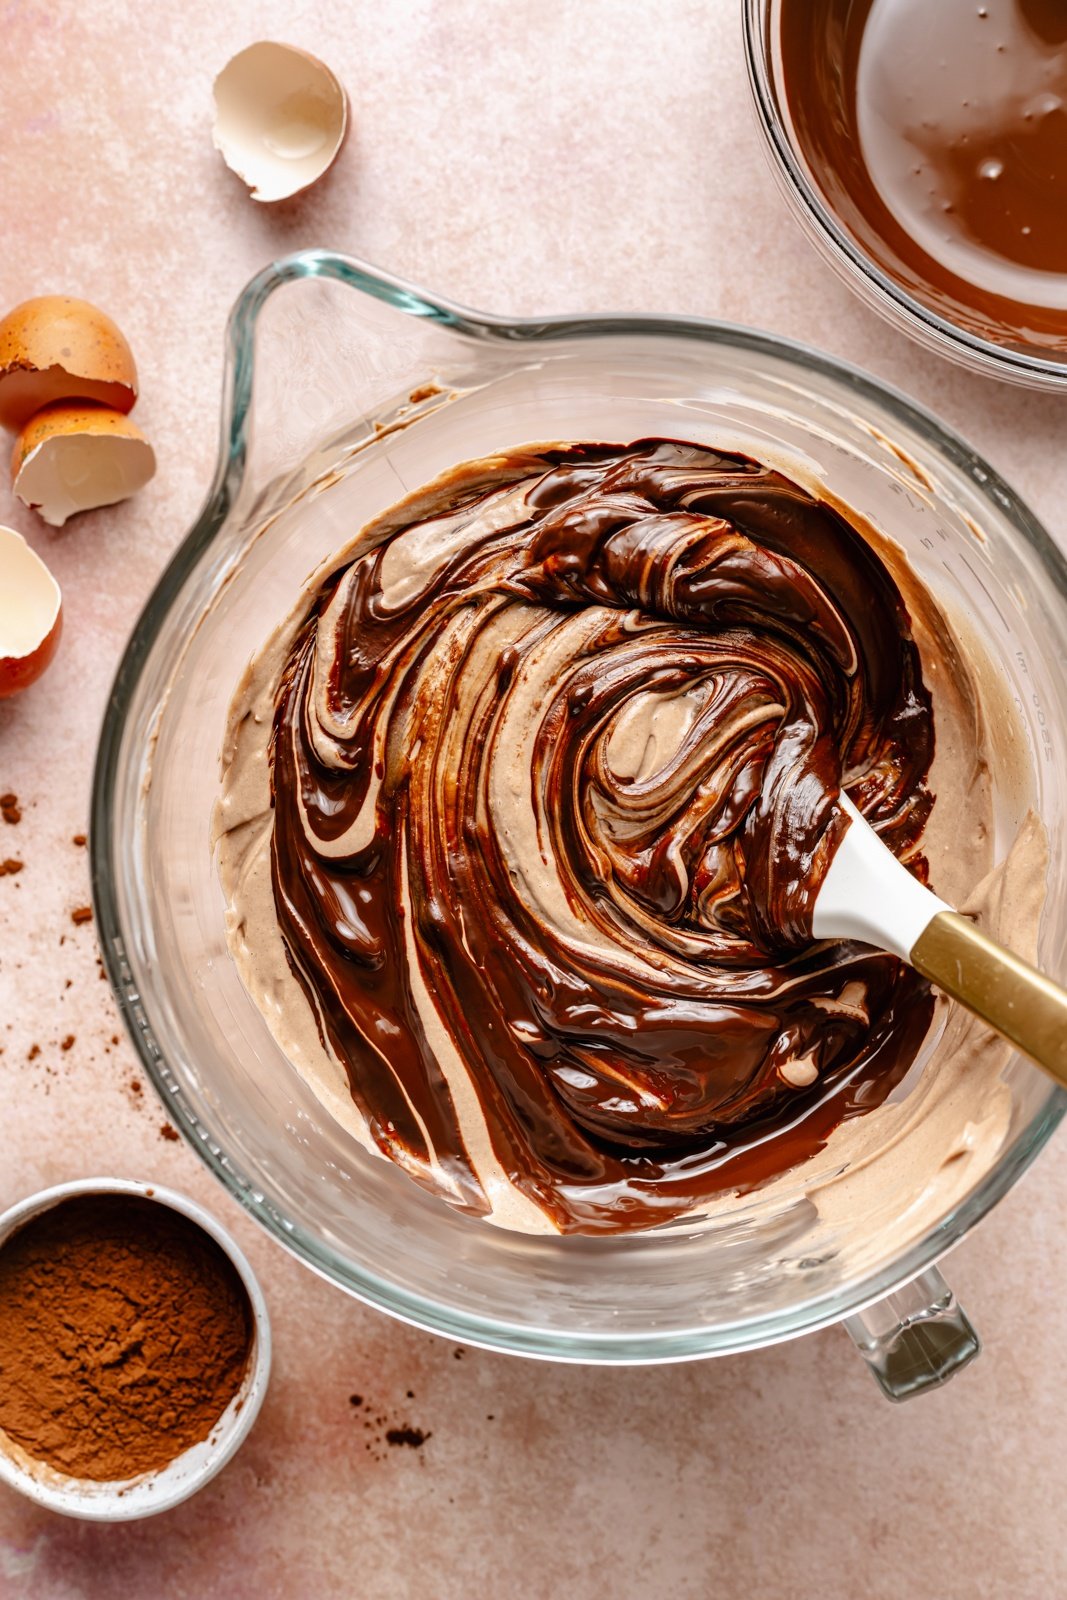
(555, 754)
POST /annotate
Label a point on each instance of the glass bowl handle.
(321, 345)
(916, 1338)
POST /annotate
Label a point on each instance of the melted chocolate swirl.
(555, 763)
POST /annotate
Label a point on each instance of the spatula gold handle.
(1009, 994)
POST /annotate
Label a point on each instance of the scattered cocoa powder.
(79, 839)
(81, 914)
(67, 1042)
(9, 867)
(167, 1132)
(414, 1438)
(382, 1432)
(125, 1332)
(34, 1052)
(10, 809)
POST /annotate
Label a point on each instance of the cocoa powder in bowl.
(125, 1332)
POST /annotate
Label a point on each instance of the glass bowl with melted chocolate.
(498, 547)
(924, 150)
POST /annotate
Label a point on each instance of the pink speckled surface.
(541, 155)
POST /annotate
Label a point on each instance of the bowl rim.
(114, 1502)
(527, 1339)
(862, 271)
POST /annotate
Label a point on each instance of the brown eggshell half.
(71, 458)
(58, 348)
(31, 614)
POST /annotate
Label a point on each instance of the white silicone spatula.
(868, 895)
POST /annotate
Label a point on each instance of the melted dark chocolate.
(937, 130)
(651, 1043)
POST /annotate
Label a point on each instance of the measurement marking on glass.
(985, 590)
(1038, 708)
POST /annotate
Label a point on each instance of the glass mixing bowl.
(839, 245)
(344, 390)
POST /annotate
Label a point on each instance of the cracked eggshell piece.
(280, 118)
(31, 614)
(57, 348)
(71, 458)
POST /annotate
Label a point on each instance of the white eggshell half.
(280, 118)
(72, 472)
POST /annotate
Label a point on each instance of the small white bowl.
(156, 1491)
